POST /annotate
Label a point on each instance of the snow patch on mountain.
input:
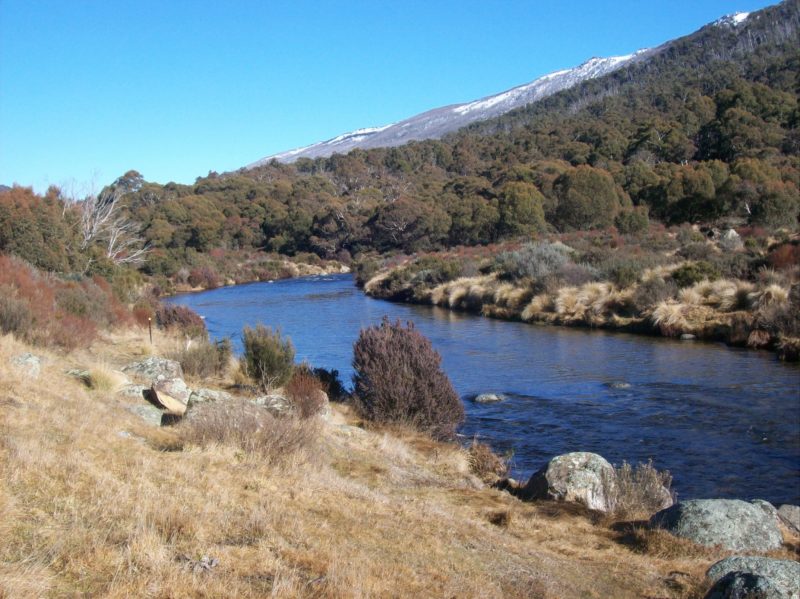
(435, 123)
(733, 20)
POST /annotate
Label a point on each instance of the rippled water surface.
(725, 422)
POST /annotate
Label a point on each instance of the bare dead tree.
(102, 221)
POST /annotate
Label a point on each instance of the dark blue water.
(724, 422)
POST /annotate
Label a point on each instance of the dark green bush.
(269, 359)
(331, 383)
(694, 272)
(398, 378)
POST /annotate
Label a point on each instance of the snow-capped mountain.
(439, 121)
(435, 123)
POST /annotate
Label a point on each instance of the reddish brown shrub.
(305, 391)
(398, 378)
(784, 256)
(186, 320)
(205, 277)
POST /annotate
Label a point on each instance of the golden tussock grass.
(94, 502)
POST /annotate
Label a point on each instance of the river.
(725, 422)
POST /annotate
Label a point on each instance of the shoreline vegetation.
(681, 283)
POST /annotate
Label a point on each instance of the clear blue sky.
(175, 88)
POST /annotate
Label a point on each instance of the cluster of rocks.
(732, 524)
(169, 398)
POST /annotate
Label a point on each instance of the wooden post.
(150, 328)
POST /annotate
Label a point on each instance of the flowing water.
(725, 422)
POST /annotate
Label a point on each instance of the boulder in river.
(488, 398)
(734, 524)
(774, 578)
(580, 477)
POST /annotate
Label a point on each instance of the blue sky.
(175, 88)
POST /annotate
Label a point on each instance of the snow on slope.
(435, 123)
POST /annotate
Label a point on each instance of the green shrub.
(532, 261)
(331, 383)
(268, 358)
(694, 272)
(204, 359)
(398, 378)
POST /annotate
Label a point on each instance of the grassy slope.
(95, 503)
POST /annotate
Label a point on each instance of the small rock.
(790, 516)
(133, 391)
(782, 575)
(730, 240)
(205, 395)
(155, 369)
(150, 414)
(579, 477)
(277, 404)
(488, 398)
(736, 525)
(29, 363)
(688, 337)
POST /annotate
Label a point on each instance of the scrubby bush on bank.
(398, 378)
(203, 359)
(181, 318)
(305, 391)
(269, 359)
(639, 491)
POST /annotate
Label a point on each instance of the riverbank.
(548, 283)
(96, 501)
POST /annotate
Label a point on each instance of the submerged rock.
(488, 398)
(579, 477)
(734, 524)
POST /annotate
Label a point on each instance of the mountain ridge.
(440, 121)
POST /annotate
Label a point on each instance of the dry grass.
(93, 502)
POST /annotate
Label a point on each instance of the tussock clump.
(640, 492)
(243, 425)
(670, 318)
(771, 294)
(398, 378)
(485, 463)
(539, 305)
(722, 294)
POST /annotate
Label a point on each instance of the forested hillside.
(705, 130)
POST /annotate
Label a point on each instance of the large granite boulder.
(155, 369)
(579, 477)
(206, 395)
(734, 524)
(774, 578)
